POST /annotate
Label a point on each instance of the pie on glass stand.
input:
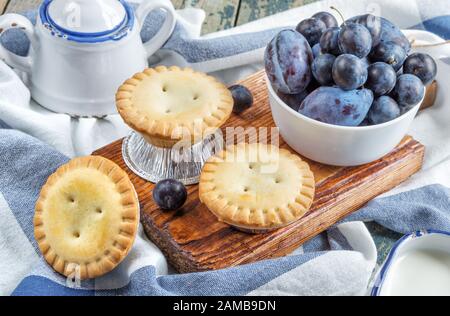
(168, 105)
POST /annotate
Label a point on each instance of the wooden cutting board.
(193, 239)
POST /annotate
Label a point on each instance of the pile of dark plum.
(356, 74)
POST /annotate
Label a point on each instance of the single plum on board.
(242, 97)
(288, 59)
(170, 194)
(333, 105)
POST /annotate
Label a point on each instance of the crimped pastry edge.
(217, 204)
(160, 133)
(120, 248)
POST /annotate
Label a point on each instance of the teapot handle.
(166, 29)
(14, 21)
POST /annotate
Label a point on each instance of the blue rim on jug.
(381, 276)
(116, 33)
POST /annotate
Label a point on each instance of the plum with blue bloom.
(383, 109)
(389, 53)
(390, 33)
(355, 39)
(327, 18)
(242, 97)
(372, 23)
(170, 194)
(312, 30)
(381, 78)
(408, 91)
(329, 42)
(333, 105)
(421, 65)
(349, 72)
(288, 59)
(322, 69)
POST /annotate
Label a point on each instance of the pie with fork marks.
(257, 187)
(169, 105)
(86, 217)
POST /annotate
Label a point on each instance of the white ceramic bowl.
(337, 145)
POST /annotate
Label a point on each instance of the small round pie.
(86, 217)
(168, 105)
(257, 187)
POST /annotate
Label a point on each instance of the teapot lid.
(96, 19)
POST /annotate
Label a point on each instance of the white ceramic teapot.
(83, 50)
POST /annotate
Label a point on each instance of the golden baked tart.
(167, 105)
(257, 187)
(86, 217)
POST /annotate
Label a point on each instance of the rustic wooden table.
(220, 14)
(224, 14)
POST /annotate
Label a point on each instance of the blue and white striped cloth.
(34, 142)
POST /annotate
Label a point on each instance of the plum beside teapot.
(82, 51)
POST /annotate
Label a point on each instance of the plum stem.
(339, 12)
(428, 45)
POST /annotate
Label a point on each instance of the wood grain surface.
(3, 4)
(251, 10)
(430, 95)
(220, 14)
(16, 6)
(193, 239)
